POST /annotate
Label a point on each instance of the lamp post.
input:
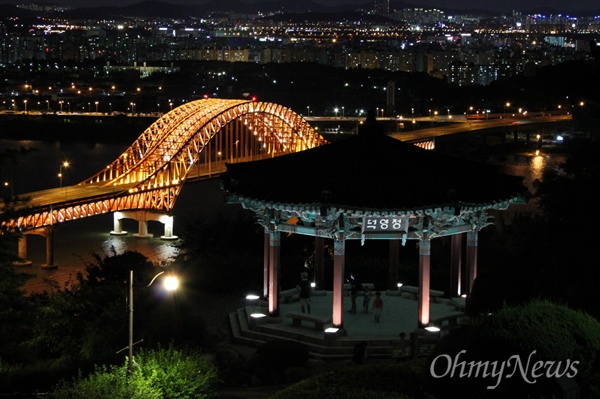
(170, 284)
(65, 164)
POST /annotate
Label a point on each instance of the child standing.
(366, 299)
(377, 306)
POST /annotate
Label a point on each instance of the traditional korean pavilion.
(371, 186)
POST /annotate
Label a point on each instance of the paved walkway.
(399, 315)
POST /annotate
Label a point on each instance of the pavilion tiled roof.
(372, 171)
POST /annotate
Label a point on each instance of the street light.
(25, 101)
(8, 185)
(170, 283)
(96, 106)
(65, 164)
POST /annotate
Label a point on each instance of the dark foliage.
(402, 381)
(537, 331)
(274, 357)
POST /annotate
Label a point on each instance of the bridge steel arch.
(191, 141)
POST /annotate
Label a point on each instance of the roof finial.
(370, 126)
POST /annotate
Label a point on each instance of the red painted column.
(424, 280)
(339, 249)
(319, 263)
(274, 247)
(266, 256)
(456, 266)
(394, 265)
(472, 243)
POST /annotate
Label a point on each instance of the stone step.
(340, 349)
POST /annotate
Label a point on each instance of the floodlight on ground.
(252, 297)
(313, 284)
(331, 330)
(258, 315)
(432, 328)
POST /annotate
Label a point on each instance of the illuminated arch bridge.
(190, 142)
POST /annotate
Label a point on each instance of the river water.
(76, 241)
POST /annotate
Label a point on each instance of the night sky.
(493, 5)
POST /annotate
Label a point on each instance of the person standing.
(304, 288)
(366, 299)
(377, 306)
(354, 288)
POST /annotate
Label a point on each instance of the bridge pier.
(143, 217)
(118, 225)
(22, 253)
(48, 233)
(142, 220)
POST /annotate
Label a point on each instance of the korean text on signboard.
(389, 224)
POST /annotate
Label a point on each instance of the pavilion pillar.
(274, 247)
(472, 242)
(319, 264)
(456, 265)
(266, 256)
(394, 264)
(424, 280)
(339, 249)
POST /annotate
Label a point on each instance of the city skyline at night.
(528, 6)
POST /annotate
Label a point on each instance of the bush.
(538, 331)
(162, 373)
(401, 381)
(274, 357)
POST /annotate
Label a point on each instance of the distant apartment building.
(381, 7)
(425, 41)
